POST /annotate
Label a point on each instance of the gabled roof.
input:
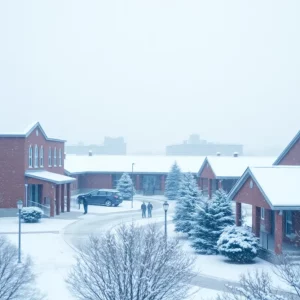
(151, 164)
(278, 184)
(234, 167)
(49, 176)
(28, 131)
(287, 148)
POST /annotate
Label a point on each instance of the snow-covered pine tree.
(172, 182)
(125, 187)
(188, 197)
(210, 220)
(224, 207)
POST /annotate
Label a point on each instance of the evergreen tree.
(210, 220)
(125, 187)
(187, 199)
(172, 182)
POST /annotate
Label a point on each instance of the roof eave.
(12, 135)
(50, 180)
(287, 148)
(227, 177)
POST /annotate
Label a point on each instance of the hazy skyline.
(152, 71)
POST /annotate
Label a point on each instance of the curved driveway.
(79, 231)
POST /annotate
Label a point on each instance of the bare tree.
(254, 287)
(134, 263)
(16, 279)
(289, 272)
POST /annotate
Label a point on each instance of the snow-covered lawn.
(11, 225)
(203, 294)
(218, 266)
(52, 259)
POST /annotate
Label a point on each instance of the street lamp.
(20, 206)
(166, 206)
(132, 185)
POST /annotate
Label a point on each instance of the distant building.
(110, 146)
(196, 147)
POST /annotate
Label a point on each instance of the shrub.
(238, 244)
(31, 214)
(17, 280)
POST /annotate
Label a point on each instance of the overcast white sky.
(153, 71)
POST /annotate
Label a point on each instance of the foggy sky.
(152, 71)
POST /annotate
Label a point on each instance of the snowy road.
(78, 232)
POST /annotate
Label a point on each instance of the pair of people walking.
(145, 208)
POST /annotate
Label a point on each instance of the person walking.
(85, 205)
(149, 207)
(143, 207)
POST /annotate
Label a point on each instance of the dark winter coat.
(150, 207)
(85, 201)
(143, 207)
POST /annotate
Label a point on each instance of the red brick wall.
(40, 140)
(11, 171)
(266, 224)
(95, 181)
(293, 156)
(207, 172)
(251, 195)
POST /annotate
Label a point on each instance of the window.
(36, 156)
(288, 223)
(42, 156)
(59, 157)
(262, 213)
(94, 193)
(54, 157)
(49, 157)
(30, 157)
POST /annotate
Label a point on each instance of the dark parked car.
(105, 197)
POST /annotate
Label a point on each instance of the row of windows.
(38, 159)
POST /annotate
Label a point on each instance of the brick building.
(273, 193)
(103, 171)
(222, 172)
(32, 169)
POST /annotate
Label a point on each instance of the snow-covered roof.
(234, 167)
(27, 131)
(123, 163)
(49, 176)
(278, 184)
(287, 148)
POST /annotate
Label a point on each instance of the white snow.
(197, 293)
(227, 166)
(123, 163)
(11, 225)
(52, 259)
(280, 184)
(49, 176)
(124, 206)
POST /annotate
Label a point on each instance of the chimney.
(218, 153)
(90, 153)
(235, 154)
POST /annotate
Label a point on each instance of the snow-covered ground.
(218, 266)
(124, 206)
(203, 294)
(53, 258)
(11, 225)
